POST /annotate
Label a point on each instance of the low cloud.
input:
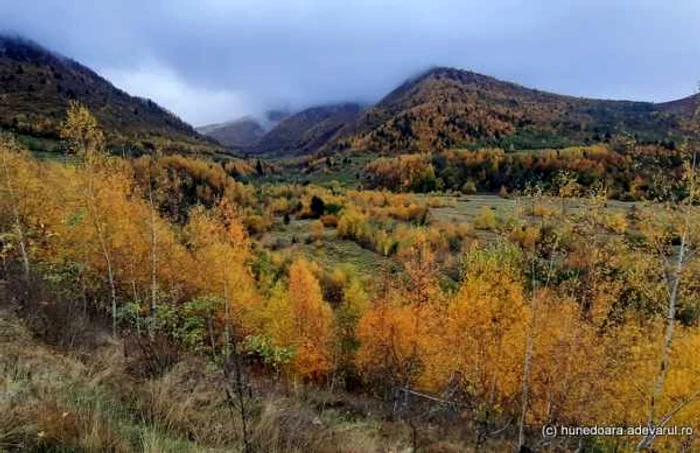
(219, 59)
(196, 105)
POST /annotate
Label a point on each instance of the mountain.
(307, 131)
(37, 84)
(237, 133)
(451, 108)
(272, 117)
(243, 132)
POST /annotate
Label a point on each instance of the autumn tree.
(219, 244)
(81, 131)
(9, 151)
(674, 277)
(300, 319)
(85, 138)
(398, 332)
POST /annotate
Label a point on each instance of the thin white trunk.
(110, 276)
(134, 290)
(92, 210)
(154, 248)
(527, 365)
(18, 221)
(657, 390)
(227, 313)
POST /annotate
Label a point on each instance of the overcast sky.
(214, 60)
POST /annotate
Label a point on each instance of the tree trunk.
(18, 222)
(527, 363)
(657, 390)
(92, 210)
(227, 315)
(154, 244)
(112, 285)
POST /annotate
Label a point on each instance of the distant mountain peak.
(445, 107)
(245, 131)
(308, 130)
(237, 133)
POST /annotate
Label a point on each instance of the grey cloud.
(212, 60)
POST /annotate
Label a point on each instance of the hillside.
(246, 131)
(449, 108)
(37, 85)
(307, 131)
(241, 132)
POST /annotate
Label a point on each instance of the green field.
(330, 252)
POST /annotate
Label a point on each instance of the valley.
(449, 269)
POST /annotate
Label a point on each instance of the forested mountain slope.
(450, 108)
(36, 86)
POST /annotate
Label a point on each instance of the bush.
(469, 188)
(526, 236)
(317, 230)
(540, 210)
(617, 222)
(352, 225)
(329, 220)
(485, 219)
(318, 207)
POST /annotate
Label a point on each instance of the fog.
(214, 60)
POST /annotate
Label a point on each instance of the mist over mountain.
(37, 85)
(441, 108)
(307, 131)
(212, 61)
(245, 131)
(451, 108)
(240, 132)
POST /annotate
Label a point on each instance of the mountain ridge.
(38, 83)
(245, 131)
(440, 108)
(306, 131)
(237, 133)
(448, 107)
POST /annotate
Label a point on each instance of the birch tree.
(673, 282)
(14, 204)
(84, 137)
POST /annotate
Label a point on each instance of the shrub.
(318, 207)
(540, 210)
(526, 236)
(264, 349)
(485, 219)
(329, 220)
(317, 230)
(255, 224)
(616, 222)
(469, 188)
(352, 225)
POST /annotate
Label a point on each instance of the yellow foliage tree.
(81, 131)
(220, 246)
(299, 318)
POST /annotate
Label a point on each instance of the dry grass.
(190, 402)
(49, 400)
(52, 401)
